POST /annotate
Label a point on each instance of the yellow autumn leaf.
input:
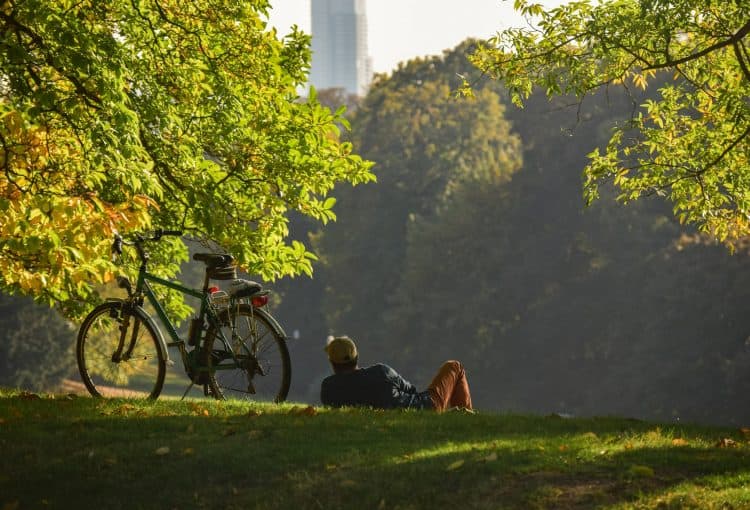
(163, 450)
(726, 443)
(455, 465)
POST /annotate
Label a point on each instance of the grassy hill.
(61, 451)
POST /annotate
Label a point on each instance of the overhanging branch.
(738, 36)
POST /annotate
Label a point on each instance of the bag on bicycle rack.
(228, 272)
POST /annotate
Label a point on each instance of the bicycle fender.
(145, 317)
(273, 322)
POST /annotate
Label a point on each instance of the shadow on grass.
(88, 453)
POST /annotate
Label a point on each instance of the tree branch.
(741, 60)
(726, 150)
(738, 36)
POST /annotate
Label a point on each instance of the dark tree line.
(462, 251)
(36, 345)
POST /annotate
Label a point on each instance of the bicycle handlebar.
(157, 234)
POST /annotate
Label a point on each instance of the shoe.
(464, 410)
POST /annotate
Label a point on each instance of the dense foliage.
(553, 307)
(428, 145)
(121, 116)
(36, 345)
(690, 140)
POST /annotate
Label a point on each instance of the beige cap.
(341, 350)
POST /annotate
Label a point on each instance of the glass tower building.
(339, 46)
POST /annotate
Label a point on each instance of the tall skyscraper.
(339, 45)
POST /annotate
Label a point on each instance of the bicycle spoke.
(140, 375)
(255, 344)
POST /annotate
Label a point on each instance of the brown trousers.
(450, 388)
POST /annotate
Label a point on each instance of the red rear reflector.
(259, 301)
(213, 289)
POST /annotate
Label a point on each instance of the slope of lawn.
(63, 451)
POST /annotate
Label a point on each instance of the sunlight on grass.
(474, 450)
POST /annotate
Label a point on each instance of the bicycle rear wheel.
(118, 353)
(260, 369)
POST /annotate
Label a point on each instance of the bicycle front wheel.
(249, 360)
(118, 353)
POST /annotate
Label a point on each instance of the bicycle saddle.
(214, 259)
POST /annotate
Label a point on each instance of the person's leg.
(450, 388)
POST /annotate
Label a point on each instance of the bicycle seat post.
(206, 280)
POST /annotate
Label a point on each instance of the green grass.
(65, 452)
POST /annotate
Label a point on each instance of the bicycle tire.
(264, 372)
(137, 375)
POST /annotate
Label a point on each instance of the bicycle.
(234, 347)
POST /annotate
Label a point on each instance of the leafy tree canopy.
(690, 143)
(129, 115)
(429, 145)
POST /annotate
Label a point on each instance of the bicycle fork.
(117, 355)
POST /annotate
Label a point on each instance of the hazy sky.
(401, 29)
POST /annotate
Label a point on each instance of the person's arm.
(401, 384)
(325, 393)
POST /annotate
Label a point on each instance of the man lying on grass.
(382, 387)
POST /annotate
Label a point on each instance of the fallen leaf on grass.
(254, 434)
(198, 409)
(563, 447)
(229, 432)
(454, 465)
(252, 413)
(162, 450)
(303, 411)
(309, 411)
(348, 483)
(678, 441)
(124, 409)
(190, 429)
(490, 458)
(188, 451)
(726, 443)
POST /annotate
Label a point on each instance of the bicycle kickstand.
(187, 390)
